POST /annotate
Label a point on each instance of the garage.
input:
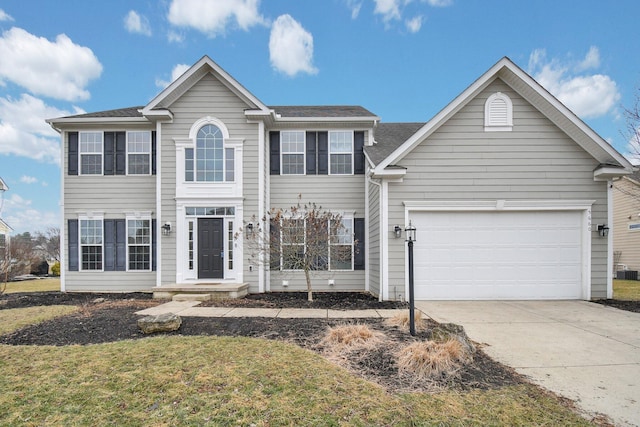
(498, 255)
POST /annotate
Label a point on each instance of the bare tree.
(48, 243)
(16, 258)
(303, 238)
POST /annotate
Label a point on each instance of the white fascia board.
(3, 185)
(327, 119)
(387, 174)
(91, 120)
(607, 173)
(158, 114)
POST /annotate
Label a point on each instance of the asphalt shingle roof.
(322, 111)
(117, 113)
(390, 136)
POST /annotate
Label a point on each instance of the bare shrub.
(429, 359)
(401, 320)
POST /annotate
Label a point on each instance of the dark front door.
(210, 248)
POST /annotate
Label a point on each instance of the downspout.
(158, 205)
(610, 239)
(261, 201)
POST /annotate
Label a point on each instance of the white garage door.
(498, 255)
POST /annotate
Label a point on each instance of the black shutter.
(154, 150)
(274, 153)
(109, 245)
(358, 153)
(121, 153)
(311, 153)
(323, 153)
(154, 249)
(359, 256)
(72, 228)
(121, 244)
(73, 154)
(109, 153)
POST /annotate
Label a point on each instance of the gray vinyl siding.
(536, 160)
(373, 245)
(113, 197)
(208, 97)
(626, 210)
(339, 193)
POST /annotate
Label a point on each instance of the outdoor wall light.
(411, 233)
(603, 230)
(250, 228)
(397, 231)
(166, 228)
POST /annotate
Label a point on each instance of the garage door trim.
(583, 206)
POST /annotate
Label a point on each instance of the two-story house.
(505, 186)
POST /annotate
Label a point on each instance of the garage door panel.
(498, 255)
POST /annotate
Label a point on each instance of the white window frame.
(350, 152)
(99, 219)
(296, 153)
(129, 152)
(340, 243)
(633, 226)
(82, 153)
(129, 244)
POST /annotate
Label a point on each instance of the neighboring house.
(626, 222)
(505, 187)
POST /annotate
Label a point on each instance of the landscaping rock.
(166, 322)
(446, 331)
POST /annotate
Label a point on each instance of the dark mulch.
(620, 304)
(110, 317)
(31, 299)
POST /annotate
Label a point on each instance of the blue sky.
(404, 60)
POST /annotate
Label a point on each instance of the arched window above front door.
(209, 160)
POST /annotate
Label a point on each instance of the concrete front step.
(197, 292)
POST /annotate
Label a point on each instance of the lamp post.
(411, 237)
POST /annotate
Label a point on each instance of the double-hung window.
(91, 153)
(139, 152)
(341, 245)
(292, 152)
(91, 244)
(340, 153)
(139, 244)
(293, 241)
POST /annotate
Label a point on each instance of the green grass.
(626, 289)
(37, 285)
(176, 381)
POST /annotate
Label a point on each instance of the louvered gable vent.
(498, 113)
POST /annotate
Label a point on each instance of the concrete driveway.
(584, 351)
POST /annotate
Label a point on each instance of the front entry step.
(198, 291)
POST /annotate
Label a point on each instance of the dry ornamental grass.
(429, 359)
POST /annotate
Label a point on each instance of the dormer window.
(498, 113)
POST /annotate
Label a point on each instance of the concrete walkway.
(191, 309)
(581, 350)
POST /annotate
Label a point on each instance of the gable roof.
(314, 111)
(535, 94)
(190, 77)
(119, 112)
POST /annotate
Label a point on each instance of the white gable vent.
(498, 113)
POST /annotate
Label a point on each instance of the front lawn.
(36, 285)
(234, 381)
(628, 290)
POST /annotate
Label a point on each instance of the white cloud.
(213, 18)
(59, 69)
(174, 37)
(28, 179)
(414, 24)
(23, 131)
(177, 71)
(355, 6)
(439, 3)
(4, 16)
(136, 23)
(23, 217)
(587, 95)
(389, 9)
(291, 47)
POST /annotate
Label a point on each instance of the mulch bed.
(633, 306)
(110, 317)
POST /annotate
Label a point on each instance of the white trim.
(90, 216)
(327, 119)
(304, 152)
(490, 125)
(64, 226)
(517, 205)
(610, 239)
(261, 203)
(366, 233)
(150, 153)
(208, 120)
(329, 153)
(158, 236)
(91, 153)
(606, 173)
(141, 216)
(384, 239)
